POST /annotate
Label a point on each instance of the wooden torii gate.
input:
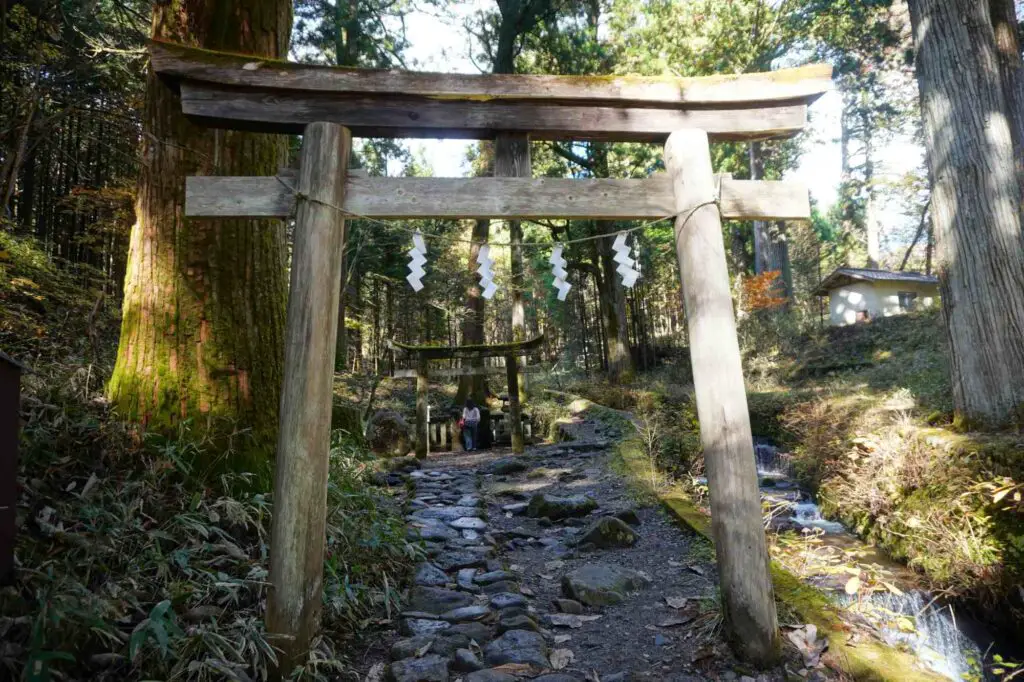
(328, 105)
(510, 351)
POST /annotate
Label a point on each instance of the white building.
(858, 294)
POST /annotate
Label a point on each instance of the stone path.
(542, 567)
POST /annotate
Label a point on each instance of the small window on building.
(908, 300)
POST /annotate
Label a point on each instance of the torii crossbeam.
(328, 105)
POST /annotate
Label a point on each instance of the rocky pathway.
(542, 567)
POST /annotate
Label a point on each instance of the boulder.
(517, 646)
(348, 418)
(602, 584)
(500, 586)
(629, 516)
(430, 575)
(464, 614)
(557, 508)
(387, 434)
(431, 668)
(444, 513)
(466, 661)
(608, 532)
(569, 606)
(493, 577)
(444, 644)
(504, 600)
(416, 627)
(437, 600)
(464, 558)
(517, 621)
(478, 632)
(468, 523)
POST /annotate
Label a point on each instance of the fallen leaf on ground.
(697, 569)
(562, 639)
(806, 641)
(853, 586)
(561, 658)
(527, 591)
(892, 588)
(676, 602)
(376, 673)
(516, 669)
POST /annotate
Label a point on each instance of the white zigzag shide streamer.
(485, 272)
(558, 270)
(626, 264)
(418, 257)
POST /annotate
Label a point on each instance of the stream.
(948, 642)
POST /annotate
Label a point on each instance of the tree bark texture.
(512, 160)
(612, 293)
(474, 387)
(204, 301)
(1011, 70)
(871, 222)
(975, 204)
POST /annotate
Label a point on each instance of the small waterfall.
(935, 636)
(769, 461)
(808, 515)
(930, 629)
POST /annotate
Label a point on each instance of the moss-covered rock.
(608, 532)
(557, 508)
(388, 434)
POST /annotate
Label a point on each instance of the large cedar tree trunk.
(204, 301)
(612, 294)
(474, 387)
(975, 204)
(1005, 27)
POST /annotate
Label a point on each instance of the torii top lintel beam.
(256, 93)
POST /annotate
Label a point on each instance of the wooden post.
(422, 387)
(514, 413)
(740, 545)
(301, 468)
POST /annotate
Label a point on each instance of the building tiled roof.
(843, 276)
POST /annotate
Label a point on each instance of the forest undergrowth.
(132, 565)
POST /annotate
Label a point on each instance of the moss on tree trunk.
(204, 305)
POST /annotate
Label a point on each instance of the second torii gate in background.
(328, 105)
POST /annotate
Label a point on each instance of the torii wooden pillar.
(240, 91)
